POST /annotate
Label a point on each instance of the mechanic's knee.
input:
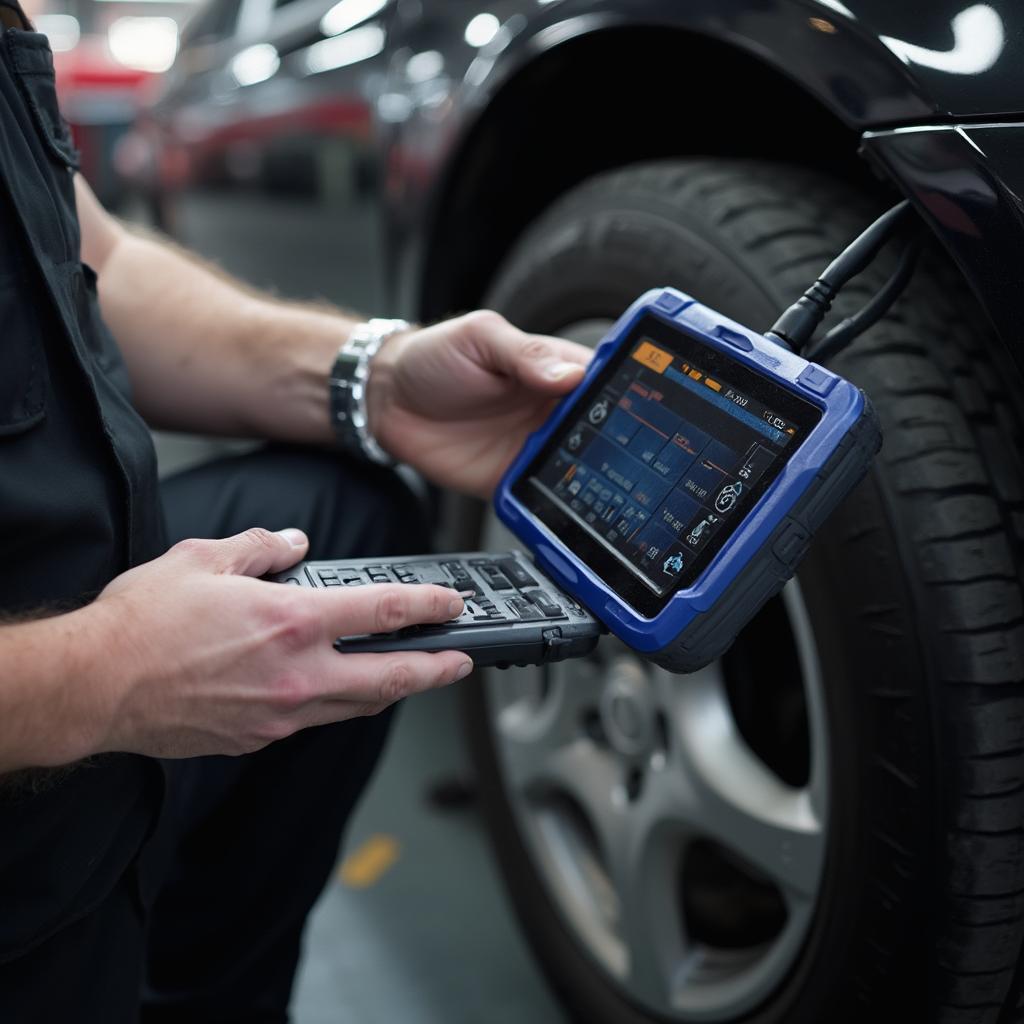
(362, 510)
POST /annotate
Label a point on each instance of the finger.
(540, 362)
(377, 680)
(560, 372)
(252, 553)
(385, 607)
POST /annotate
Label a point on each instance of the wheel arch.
(560, 117)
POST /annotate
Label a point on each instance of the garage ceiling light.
(254, 64)
(482, 29)
(147, 44)
(347, 13)
(422, 67)
(978, 42)
(340, 51)
(63, 30)
(838, 7)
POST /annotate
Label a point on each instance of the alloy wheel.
(679, 822)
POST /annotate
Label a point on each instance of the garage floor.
(414, 926)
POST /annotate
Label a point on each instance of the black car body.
(451, 165)
(424, 157)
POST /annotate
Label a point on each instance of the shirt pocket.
(46, 196)
(23, 372)
(32, 62)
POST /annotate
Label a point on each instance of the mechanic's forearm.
(53, 694)
(206, 354)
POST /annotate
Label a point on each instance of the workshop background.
(826, 824)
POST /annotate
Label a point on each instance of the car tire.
(913, 593)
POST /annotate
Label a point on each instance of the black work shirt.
(78, 496)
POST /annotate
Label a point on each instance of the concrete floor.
(432, 940)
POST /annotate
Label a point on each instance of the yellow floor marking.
(365, 865)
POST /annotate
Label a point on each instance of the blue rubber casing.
(700, 621)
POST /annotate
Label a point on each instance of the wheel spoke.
(643, 866)
(579, 770)
(535, 721)
(814, 690)
(639, 852)
(545, 754)
(719, 789)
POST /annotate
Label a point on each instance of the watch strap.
(347, 387)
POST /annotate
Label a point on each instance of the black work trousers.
(206, 927)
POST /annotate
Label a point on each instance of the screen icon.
(673, 565)
(702, 531)
(728, 496)
(755, 463)
(598, 412)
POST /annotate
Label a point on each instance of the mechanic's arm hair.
(205, 353)
(51, 692)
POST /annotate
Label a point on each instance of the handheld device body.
(514, 614)
(677, 488)
(667, 498)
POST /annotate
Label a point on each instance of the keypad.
(494, 576)
(499, 589)
(516, 573)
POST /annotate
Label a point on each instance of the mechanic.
(195, 874)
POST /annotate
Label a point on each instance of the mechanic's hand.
(204, 659)
(456, 400)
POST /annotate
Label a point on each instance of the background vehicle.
(828, 823)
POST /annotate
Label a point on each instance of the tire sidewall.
(591, 257)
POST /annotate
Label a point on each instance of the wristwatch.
(347, 385)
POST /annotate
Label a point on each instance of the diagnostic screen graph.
(666, 454)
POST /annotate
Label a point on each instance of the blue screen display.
(664, 456)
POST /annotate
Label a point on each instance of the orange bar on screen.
(652, 357)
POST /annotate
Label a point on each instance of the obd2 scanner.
(665, 499)
(672, 493)
(678, 487)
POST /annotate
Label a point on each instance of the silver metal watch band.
(347, 388)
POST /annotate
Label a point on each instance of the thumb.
(549, 365)
(258, 551)
(539, 362)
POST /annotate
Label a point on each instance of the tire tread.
(952, 474)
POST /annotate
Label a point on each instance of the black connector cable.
(797, 324)
(836, 339)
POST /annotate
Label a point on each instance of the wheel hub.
(683, 862)
(628, 710)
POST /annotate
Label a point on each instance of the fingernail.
(559, 370)
(464, 669)
(466, 593)
(455, 608)
(295, 537)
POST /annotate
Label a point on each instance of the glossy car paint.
(966, 181)
(354, 164)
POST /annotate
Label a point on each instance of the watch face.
(660, 460)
